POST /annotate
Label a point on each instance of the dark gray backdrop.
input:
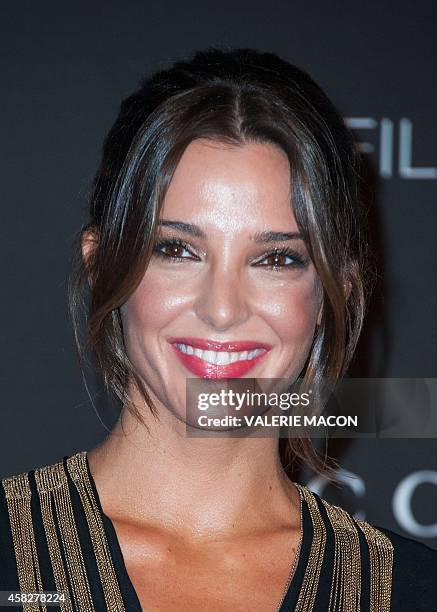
(65, 70)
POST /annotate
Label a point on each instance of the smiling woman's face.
(223, 283)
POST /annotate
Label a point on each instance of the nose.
(222, 302)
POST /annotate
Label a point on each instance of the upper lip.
(213, 345)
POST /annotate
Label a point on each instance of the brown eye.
(277, 259)
(282, 259)
(173, 250)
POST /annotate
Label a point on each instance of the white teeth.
(220, 357)
(209, 356)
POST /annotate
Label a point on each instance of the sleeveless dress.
(54, 536)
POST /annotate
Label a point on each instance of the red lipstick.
(201, 367)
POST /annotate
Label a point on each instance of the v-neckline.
(289, 596)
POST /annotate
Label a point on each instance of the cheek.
(152, 305)
(292, 312)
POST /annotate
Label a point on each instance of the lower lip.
(202, 368)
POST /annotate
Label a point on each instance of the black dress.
(54, 536)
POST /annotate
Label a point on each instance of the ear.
(89, 243)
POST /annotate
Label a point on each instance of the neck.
(207, 486)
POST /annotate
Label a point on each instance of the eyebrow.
(276, 236)
(263, 237)
(187, 228)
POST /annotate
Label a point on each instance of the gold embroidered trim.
(310, 583)
(346, 578)
(54, 496)
(296, 557)
(77, 468)
(69, 573)
(18, 496)
(381, 567)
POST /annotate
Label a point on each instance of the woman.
(225, 240)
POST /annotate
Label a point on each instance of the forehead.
(216, 184)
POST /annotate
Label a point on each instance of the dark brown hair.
(234, 96)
